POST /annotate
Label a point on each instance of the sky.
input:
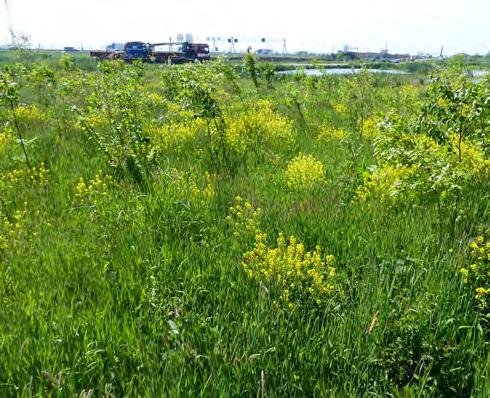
(409, 26)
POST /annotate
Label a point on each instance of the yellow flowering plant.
(304, 173)
(259, 128)
(5, 139)
(11, 229)
(328, 133)
(386, 183)
(477, 275)
(181, 135)
(35, 175)
(299, 276)
(30, 114)
(414, 166)
(93, 191)
(369, 126)
(244, 218)
(191, 187)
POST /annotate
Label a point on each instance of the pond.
(338, 71)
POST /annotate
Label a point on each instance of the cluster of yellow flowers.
(34, 175)
(328, 133)
(304, 172)
(298, 275)
(191, 187)
(207, 192)
(244, 217)
(340, 108)
(11, 229)
(369, 126)
(30, 114)
(5, 139)
(92, 191)
(178, 135)
(477, 274)
(261, 126)
(385, 183)
(94, 121)
(473, 158)
(155, 99)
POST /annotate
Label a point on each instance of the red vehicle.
(185, 52)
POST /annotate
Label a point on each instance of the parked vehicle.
(138, 50)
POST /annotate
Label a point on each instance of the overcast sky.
(316, 25)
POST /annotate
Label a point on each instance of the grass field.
(216, 230)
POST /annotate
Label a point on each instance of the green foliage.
(268, 71)
(436, 158)
(250, 65)
(454, 104)
(114, 120)
(9, 98)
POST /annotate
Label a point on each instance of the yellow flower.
(384, 183)
(298, 274)
(5, 139)
(369, 127)
(304, 172)
(29, 114)
(90, 192)
(260, 127)
(328, 133)
(340, 108)
(479, 277)
(464, 273)
(244, 217)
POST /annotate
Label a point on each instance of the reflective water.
(338, 71)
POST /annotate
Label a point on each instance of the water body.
(478, 73)
(338, 71)
(349, 71)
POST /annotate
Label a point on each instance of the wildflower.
(386, 183)
(29, 114)
(328, 133)
(37, 175)
(91, 191)
(299, 275)
(244, 217)
(340, 108)
(304, 172)
(481, 291)
(5, 139)
(12, 229)
(370, 125)
(477, 275)
(260, 127)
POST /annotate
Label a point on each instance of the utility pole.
(232, 42)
